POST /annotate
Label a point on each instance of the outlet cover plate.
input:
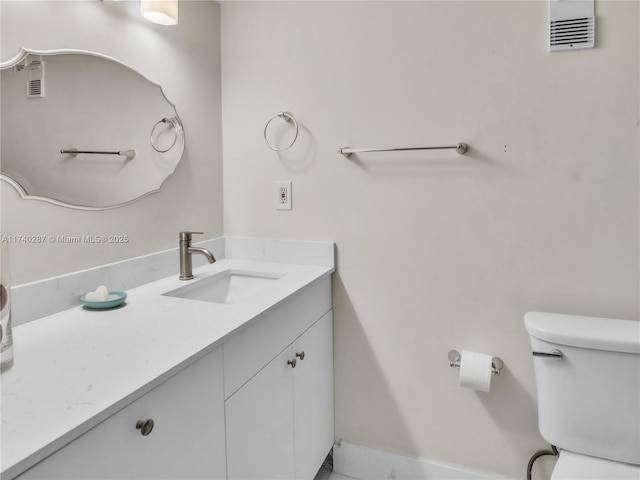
(283, 195)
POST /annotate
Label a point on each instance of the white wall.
(435, 250)
(185, 60)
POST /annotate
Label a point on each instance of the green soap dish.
(116, 302)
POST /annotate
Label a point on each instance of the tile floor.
(326, 474)
(335, 476)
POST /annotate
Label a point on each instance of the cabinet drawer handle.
(300, 355)
(292, 363)
(145, 427)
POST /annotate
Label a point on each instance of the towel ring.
(288, 117)
(171, 122)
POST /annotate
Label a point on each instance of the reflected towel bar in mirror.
(123, 153)
(348, 151)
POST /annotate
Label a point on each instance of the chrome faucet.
(185, 255)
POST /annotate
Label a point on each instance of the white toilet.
(587, 373)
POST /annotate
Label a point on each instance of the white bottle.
(6, 338)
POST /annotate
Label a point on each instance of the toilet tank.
(589, 400)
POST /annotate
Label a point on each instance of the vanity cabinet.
(279, 425)
(259, 406)
(186, 441)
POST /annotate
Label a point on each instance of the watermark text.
(65, 239)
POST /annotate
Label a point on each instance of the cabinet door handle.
(145, 426)
(292, 363)
(300, 355)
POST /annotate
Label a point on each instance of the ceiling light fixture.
(162, 12)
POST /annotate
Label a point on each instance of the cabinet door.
(313, 398)
(187, 440)
(249, 351)
(259, 424)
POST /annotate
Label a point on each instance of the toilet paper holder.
(496, 363)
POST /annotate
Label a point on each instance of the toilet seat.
(572, 466)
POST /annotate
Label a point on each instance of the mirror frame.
(22, 54)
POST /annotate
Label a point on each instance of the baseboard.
(364, 463)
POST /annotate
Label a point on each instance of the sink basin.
(229, 286)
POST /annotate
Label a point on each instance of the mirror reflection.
(83, 130)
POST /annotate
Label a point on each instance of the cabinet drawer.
(186, 442)
(250, 350)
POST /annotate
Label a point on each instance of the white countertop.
(75, 368)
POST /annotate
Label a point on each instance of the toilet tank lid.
(610, 334)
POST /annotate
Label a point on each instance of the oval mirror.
(83, 130)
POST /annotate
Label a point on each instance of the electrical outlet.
(283, 195)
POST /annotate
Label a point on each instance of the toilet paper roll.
(475, 370)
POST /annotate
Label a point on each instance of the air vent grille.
(35, 88)
(35, 79)
(572, 34)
